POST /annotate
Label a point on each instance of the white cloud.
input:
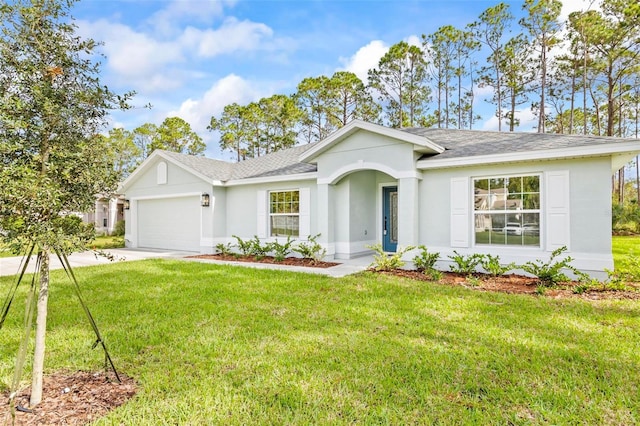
(166, 21)
(132, 54)
(366, 58)
(225, 91)
(528, 122)
(142, 60)
(569, 6)
(232, 36)
(414, 40)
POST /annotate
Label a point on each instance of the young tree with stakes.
(52, 108)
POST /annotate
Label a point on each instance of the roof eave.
(626, 149)
(271, 179)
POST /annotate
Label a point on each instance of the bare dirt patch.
(292, 261)
(71, 399)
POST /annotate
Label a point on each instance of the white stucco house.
(107, 212)
(517, 195)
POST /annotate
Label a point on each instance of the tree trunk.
(573, 96)
(638, 180)
(41, 329)
(499, 94)
(543, 84)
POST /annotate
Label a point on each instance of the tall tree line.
(129, 148)
(578, 76)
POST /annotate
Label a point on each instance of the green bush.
(257, 249)
(245, 247)
(465, 265)
(224, 249)
(118, 230)
(387, 262)
(310, 249)
(625, 218)
(425, 261)
(627, 269)
(492, 265)
(281, 251)
(550, 273)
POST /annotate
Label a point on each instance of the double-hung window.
(506, 210)
(284, 213)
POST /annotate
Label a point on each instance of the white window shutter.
(460, 197)
(305, 213)
(556, 207)
(261, 209)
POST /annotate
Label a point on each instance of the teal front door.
(390, 218)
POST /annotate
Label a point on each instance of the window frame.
(539, 211)
(292, 212)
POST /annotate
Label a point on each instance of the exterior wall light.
(204, 200)
(127, 204)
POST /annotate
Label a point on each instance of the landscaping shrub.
(280, 251)
(625, 218)
(425, 261)
(118, 230)
(257, 249)
(310, 249)
(224, 249)
(550, 273)
(387, 262)
(245, 247)
(492, 265)
(465, 264)
(628, 268)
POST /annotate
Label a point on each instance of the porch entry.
(390, 218)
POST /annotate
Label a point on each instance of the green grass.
(107, 242)
(213, 344)
(625, 245)
(100, 243)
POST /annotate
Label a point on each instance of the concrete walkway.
(11, 265)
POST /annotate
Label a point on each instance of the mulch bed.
(71, 399)
(515, 284)
(291, 261)
(519, 284)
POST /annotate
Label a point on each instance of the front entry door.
(390, 218)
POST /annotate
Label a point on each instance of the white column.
(131, 223)
(113, 215)
(408, 220)
(325, 213)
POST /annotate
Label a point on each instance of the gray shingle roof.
(280, 163)
(470, 143)
(458, 144)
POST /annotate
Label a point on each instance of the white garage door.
(169, 223)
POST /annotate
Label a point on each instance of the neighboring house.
(106, 213)
(446, 189)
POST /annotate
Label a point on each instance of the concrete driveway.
(11, 265)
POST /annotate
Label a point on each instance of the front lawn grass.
(102, 242)
(624, 246)
(217, 344)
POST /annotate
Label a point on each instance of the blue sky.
(190, 58)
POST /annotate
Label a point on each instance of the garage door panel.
(169, 223)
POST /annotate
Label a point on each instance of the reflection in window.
(507, 210)
(284, 209)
